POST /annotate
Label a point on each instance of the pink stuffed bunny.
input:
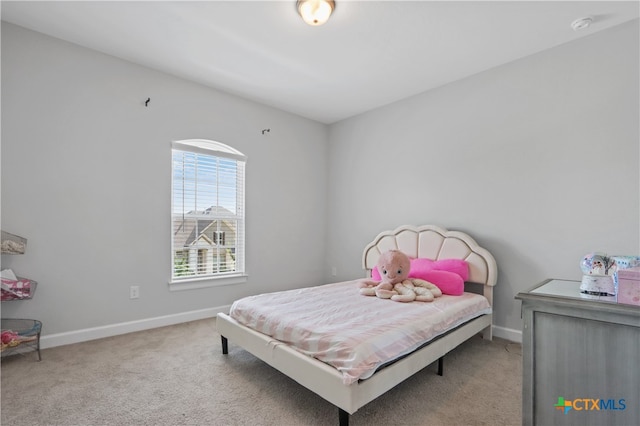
(394, 267)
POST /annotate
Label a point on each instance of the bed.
(253, 323)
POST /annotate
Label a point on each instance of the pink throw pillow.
(448, 282)
(458, 266)
(419, 267)
(375, 274)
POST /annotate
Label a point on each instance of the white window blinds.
(207, 210)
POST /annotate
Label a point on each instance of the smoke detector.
(581, 23)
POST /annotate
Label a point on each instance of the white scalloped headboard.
(433, 242)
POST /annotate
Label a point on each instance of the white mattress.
(355, 334)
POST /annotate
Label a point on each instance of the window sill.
(195, 283)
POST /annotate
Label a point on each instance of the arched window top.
(204, 146)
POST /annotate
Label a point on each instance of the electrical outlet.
(134, 292)
(334, 271)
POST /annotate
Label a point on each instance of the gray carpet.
(177, 376)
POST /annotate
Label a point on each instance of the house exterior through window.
(207, 210)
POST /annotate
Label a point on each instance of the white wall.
(86, 179)
(537, 159)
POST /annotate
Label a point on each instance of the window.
(207, 211)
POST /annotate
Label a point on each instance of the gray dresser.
(581, 357)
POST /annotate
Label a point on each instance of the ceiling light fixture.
(581, 23)
(315, 12)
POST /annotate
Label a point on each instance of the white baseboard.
(507, 334)
(84, 335)
(87, 334)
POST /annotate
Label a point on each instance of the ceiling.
(369, 54)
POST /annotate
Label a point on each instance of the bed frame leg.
(225, 345)
(440, 366)
(344, 417)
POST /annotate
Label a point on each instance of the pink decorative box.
(629, 286)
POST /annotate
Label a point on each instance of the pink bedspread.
(353, 333)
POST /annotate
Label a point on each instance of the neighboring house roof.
(185, 234)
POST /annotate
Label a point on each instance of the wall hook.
(146, 103)
(265, 131)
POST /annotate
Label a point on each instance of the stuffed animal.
(394, 267)
(10, 338)
(415, 289)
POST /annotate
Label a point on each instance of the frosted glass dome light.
(315, 12)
